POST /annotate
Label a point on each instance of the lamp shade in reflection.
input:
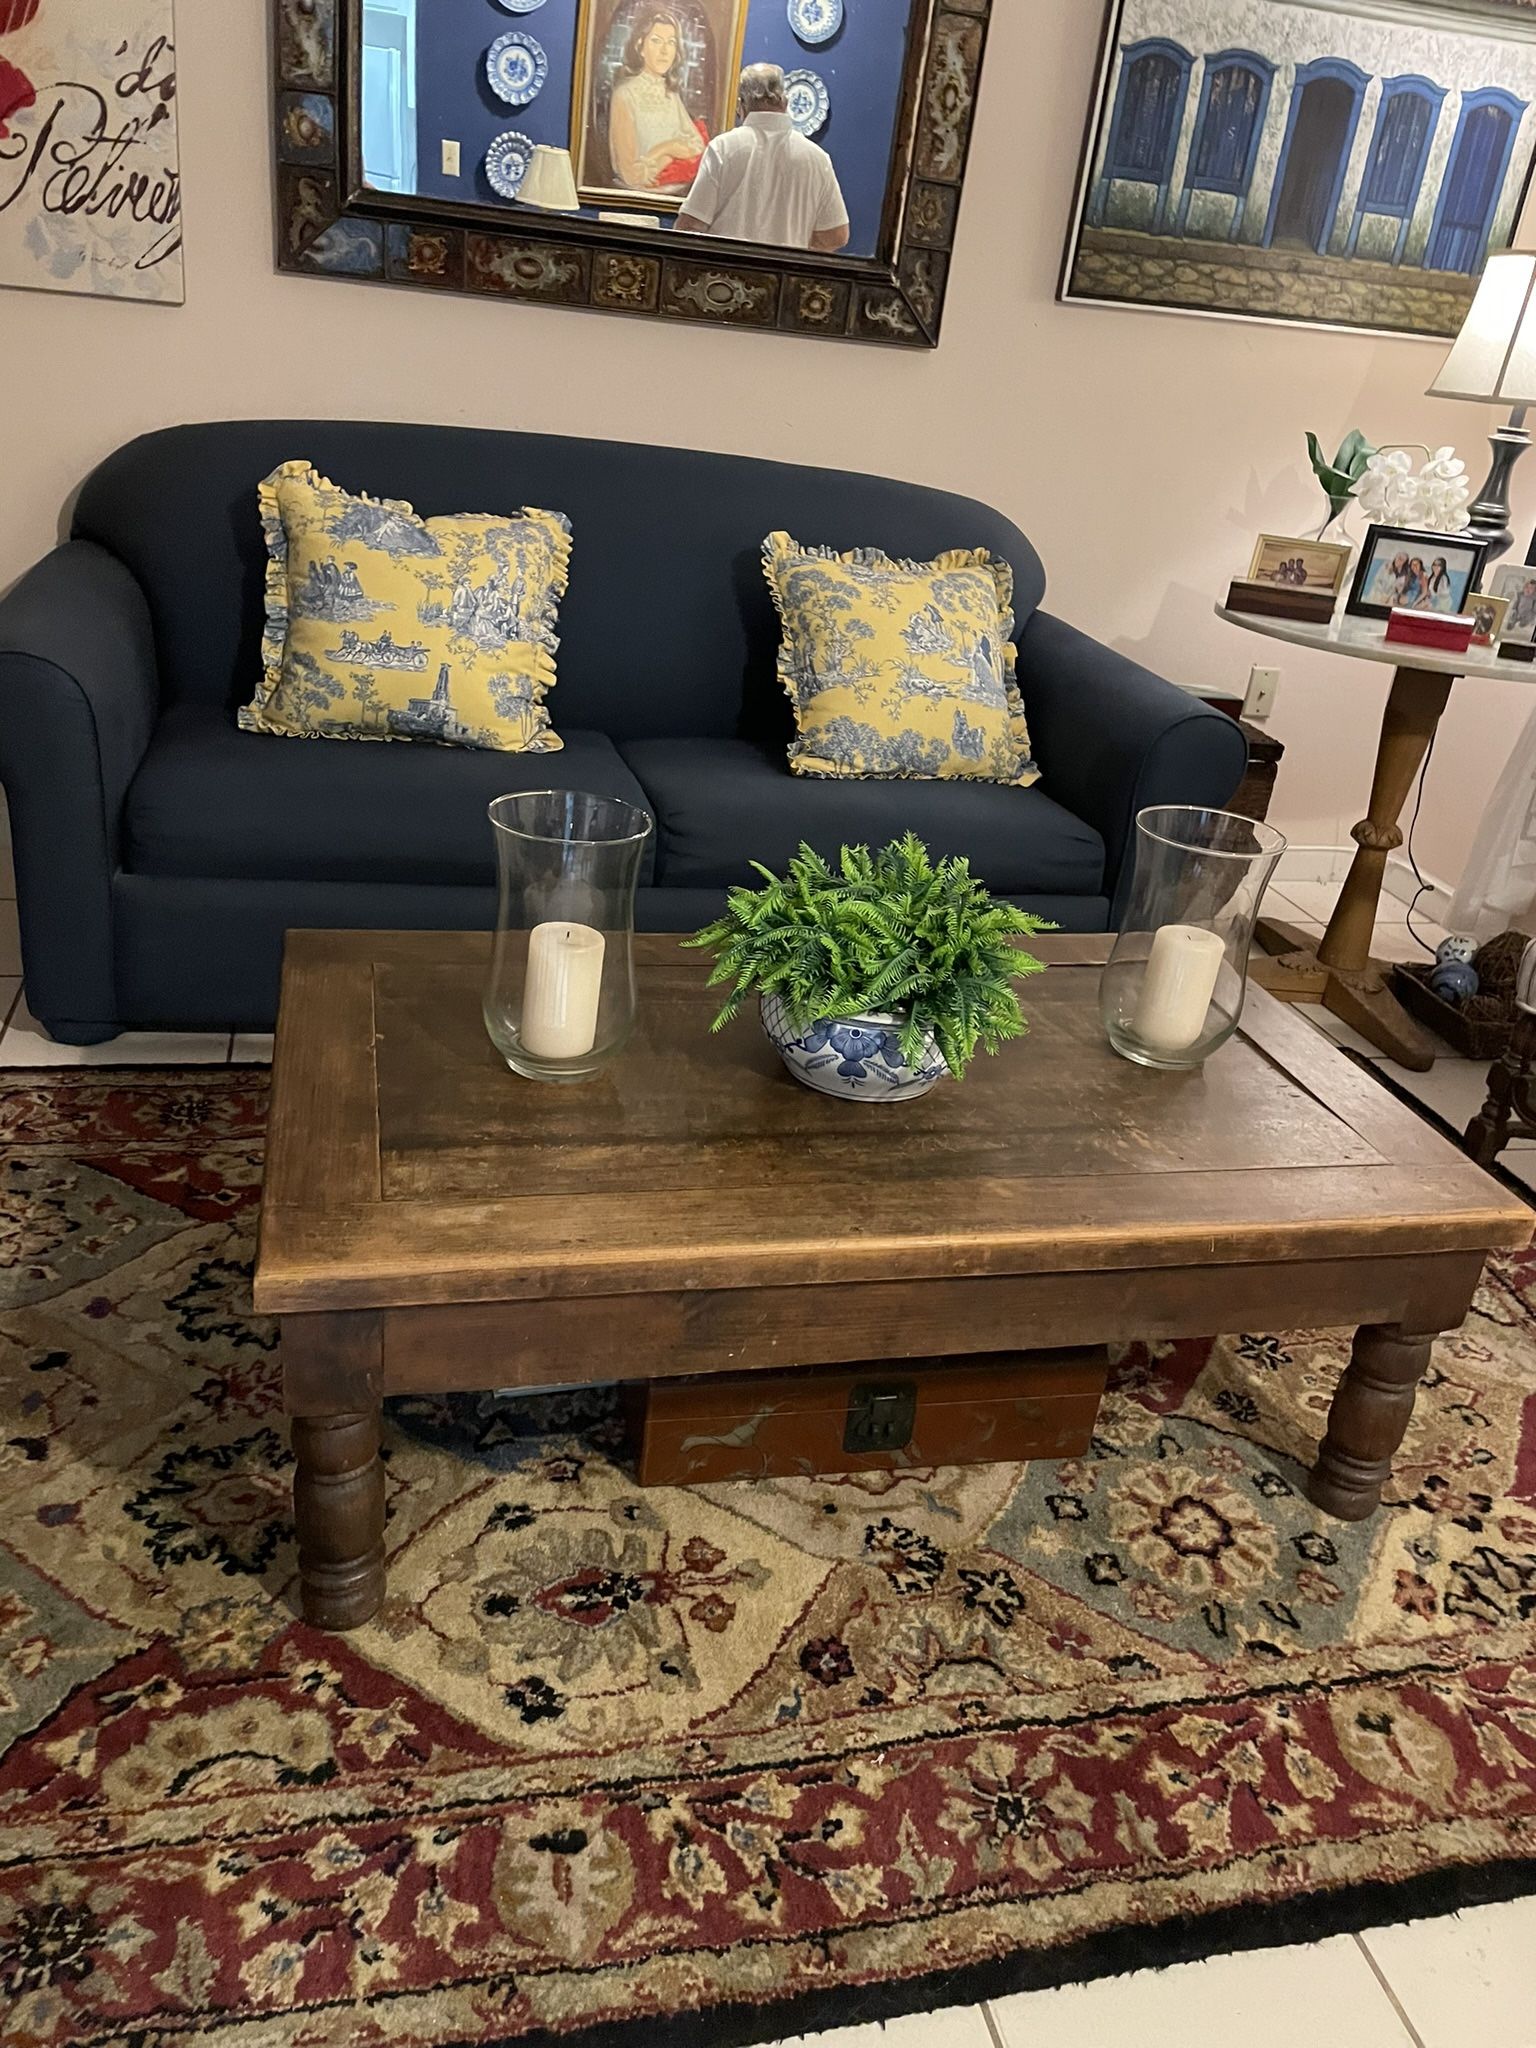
(549, 181)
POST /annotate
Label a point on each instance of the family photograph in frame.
(654, 83)
(1336, 163)
(1516, 583)
(1299, 564)
(1402, 569)
(1488, 615)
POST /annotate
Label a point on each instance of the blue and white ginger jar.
(858, 1058)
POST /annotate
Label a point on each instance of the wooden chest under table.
(432, 1222)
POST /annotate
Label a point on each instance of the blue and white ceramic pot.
(858, 1058)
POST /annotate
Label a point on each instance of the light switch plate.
(1263, 688)
(450, 159)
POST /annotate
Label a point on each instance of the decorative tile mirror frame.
(331, 224)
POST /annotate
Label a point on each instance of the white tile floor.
(1442, 1983)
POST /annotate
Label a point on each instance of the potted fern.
(879, 976)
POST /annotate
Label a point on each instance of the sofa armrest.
(79, 697)
(1111, 738)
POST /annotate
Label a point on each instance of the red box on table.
(1450, 632)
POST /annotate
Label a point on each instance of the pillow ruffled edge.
(257, 715)
(779, 546)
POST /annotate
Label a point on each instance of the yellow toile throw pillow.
(384, 626)
(899, 668)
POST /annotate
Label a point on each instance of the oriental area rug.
(617, 1767)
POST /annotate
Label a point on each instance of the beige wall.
(1141, 451)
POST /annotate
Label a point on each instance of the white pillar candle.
(562, 989)
(1177, 987)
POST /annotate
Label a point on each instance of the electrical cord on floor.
(1413, 823)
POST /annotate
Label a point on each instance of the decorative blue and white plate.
(519, 6)
(505, 162)
(516, 67)
(815, 21)
(807, 99)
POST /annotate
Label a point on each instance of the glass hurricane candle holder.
(560, 1000)
(1174, 985)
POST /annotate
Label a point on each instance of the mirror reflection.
(764, 121)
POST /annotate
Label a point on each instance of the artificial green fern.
(891, 930)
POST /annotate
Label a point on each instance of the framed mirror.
(784, 165)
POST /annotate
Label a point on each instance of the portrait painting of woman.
(655, 80)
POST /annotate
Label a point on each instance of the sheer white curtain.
(1498, 885)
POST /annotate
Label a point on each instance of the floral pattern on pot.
(858, 1058)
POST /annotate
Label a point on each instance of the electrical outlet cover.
(1263, 688)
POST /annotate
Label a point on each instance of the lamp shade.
(549, 180)
(1494, 356)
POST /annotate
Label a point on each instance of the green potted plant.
(1341, 474)
(879, 976)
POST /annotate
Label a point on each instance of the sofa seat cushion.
(216, 802)
(721, 804)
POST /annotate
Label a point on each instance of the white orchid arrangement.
(1432, 501)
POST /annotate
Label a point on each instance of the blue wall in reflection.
(861, 67)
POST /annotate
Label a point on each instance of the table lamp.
(1494, 362)
(549, 181)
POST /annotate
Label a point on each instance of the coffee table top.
(407, 1166)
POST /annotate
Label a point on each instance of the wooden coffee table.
(432, 1222)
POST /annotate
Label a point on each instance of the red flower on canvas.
(16, 94)
(16, 14)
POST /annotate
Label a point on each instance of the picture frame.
(1515, 582)
(1292, 564)
(1488, 616)
(695, 93)
(90, 172)
(1285, 163)
(1402, 568)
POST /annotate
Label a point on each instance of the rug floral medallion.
(693, 1766)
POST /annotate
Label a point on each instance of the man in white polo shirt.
(764, 181)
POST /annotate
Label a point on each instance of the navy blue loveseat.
(161, 853)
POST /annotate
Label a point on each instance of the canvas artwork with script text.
(90, 188)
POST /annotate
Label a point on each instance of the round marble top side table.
(1337, 970)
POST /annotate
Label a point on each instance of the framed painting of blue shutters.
(1149, 107)
(1406, 119)
(1228, 128)
(1479, 160)
(1281, 163)
(1325, 101)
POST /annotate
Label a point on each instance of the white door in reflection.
(389, 94)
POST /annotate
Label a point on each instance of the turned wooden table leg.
(1510, 1108)
(1368, 1421)
(331, 1386)
(338, 1507)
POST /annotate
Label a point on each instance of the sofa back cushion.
(667, 627)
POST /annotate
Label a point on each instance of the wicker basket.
(1474, 1038)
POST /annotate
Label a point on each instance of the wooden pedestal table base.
(1337, 970)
